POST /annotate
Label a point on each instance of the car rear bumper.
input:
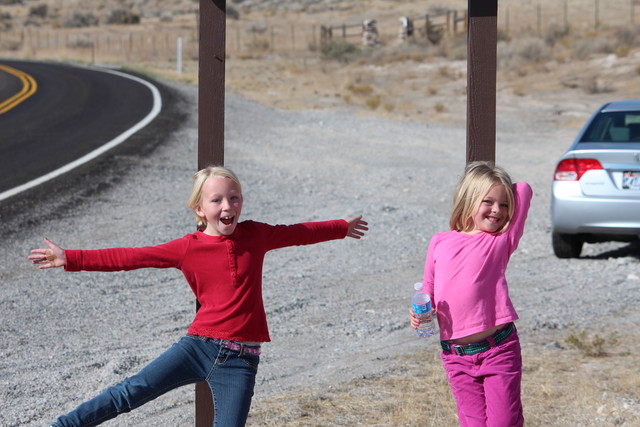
(573, 213)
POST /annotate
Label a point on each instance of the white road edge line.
(157, 107)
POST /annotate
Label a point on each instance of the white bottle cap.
(418, 286)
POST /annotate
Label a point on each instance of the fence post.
(506, 21)
(271, 40)
(179, 56)
(293, 38)
(447, 26)
(212, 27)
(426, 26)
(481, 80)
(455, 22)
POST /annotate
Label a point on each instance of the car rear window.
(615, 126)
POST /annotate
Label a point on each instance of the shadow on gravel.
(630, 250)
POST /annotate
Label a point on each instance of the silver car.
(596, 185)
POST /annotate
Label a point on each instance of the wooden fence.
(432, 26)
(518, 17)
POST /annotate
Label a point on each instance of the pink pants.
(486, 385)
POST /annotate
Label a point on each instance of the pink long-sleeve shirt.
(465, 274)
(224, 272)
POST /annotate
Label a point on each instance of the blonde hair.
(478, 179)
(199, 179)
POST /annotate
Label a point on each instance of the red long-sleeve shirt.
(224, 272)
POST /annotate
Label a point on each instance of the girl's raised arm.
(48, 258)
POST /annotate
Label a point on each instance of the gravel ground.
(337, 310)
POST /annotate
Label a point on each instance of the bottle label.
(421, 308)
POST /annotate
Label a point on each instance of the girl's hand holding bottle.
(421, 312)
(50, 257)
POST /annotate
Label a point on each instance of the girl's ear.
(198, 211)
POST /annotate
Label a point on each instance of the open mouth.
(227, 220)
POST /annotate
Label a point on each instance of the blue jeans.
(231, 377)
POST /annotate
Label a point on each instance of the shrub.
(594, 346)
(533, 50)
(232, 13)
(123, 17)
(40, 11)
(80, 42)
(373, 102)
(79, 20)
(555, 33)
(583, 48)
(625, 37)
(259, 44)
(361, 90)
(340, 51)
(5, 21)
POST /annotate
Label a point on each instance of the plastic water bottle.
(421, 304)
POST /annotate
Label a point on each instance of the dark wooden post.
(211, 83)
(481, 80)
(212, 28)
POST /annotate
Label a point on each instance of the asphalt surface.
(59, 196)
(73, 111)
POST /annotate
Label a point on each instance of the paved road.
(74, 111)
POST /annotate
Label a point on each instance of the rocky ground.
(337, 310)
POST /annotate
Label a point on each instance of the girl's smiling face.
(493, 211)
(221, 205)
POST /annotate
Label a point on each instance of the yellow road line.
(29, 87)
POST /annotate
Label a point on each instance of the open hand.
(357, 227)
(52, 257)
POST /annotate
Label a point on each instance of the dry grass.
(414, 393)
(274, 56)
(561, 387)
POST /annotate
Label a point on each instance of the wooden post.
(211, 74)
(481, 80)
(212, 28)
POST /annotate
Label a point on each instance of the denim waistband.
(481, 346)
(238, 346)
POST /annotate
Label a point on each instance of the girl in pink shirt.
(464, 275)
(222, 263)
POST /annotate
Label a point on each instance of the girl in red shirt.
(222, 262)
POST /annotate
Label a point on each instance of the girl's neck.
(475, 231)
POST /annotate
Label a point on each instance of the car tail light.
(573, 169)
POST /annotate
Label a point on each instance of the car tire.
(566, 245)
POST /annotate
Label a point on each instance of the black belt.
(481, 346)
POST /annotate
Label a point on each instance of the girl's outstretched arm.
(48, 258)
(357, 227)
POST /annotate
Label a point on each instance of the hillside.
(274, 55)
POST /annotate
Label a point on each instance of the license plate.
(631, 180)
